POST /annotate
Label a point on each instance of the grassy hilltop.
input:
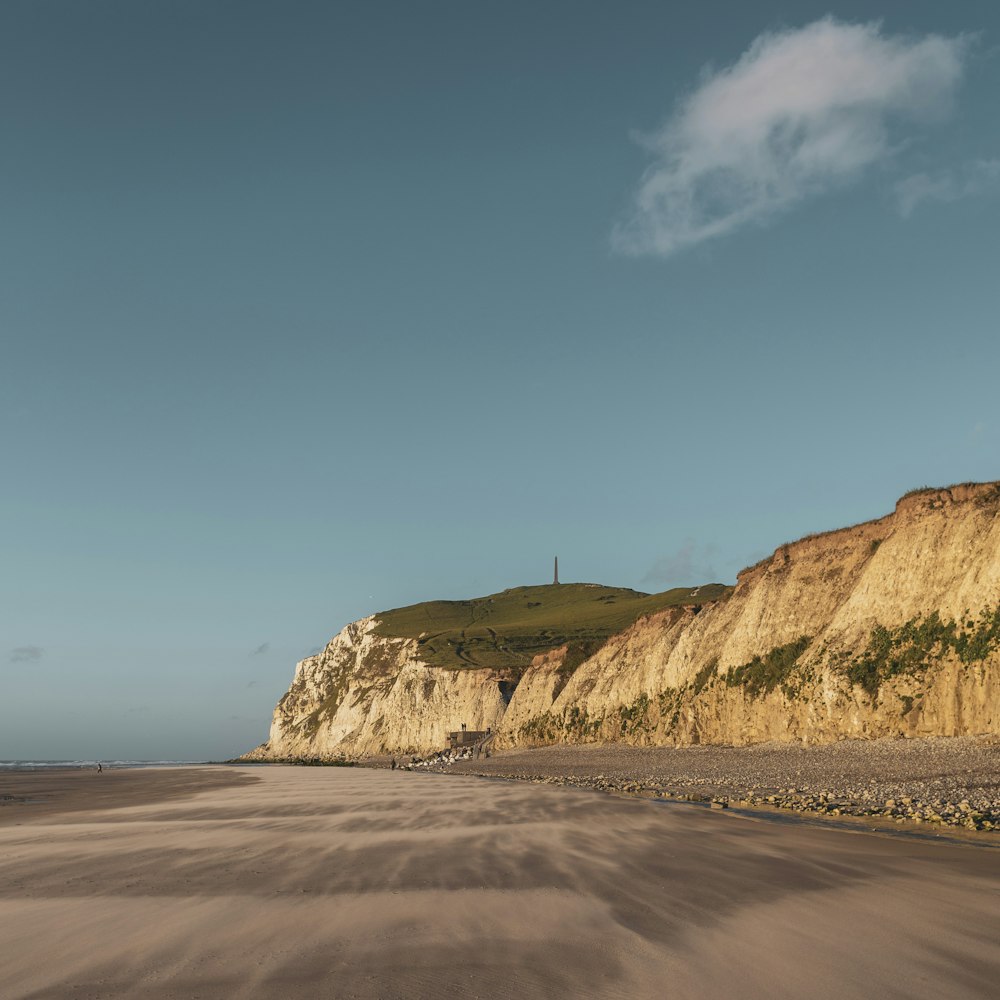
(509, 628)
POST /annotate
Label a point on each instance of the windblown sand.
(328, 882)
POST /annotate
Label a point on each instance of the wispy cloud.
(971, 179)
(26, 654)
(800, 113)
(261, 649)
(689, 565)
(981, 433)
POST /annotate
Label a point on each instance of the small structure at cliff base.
(466, 737)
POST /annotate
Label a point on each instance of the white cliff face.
(365, 694)
(667, 678)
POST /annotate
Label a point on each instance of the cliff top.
(508, 629)
(920, 499)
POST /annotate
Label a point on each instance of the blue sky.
(311, 310)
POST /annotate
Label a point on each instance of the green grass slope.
(506, 630)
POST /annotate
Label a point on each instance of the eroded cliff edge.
(887, 628)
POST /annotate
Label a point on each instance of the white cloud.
(801, 112)
(975, 178)
(689, 565)
(26, 654)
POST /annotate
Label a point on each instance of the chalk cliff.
(887, 628)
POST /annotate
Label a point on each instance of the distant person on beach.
(392, 765)
(99, 768)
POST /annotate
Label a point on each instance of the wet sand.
(49, 794)
(264, 882)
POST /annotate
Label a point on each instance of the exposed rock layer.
(883, 629)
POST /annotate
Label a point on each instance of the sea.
(84, 765)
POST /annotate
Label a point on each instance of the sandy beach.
(355, 883)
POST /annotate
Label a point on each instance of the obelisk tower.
(555, 575)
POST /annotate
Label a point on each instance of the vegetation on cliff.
(507, 629)
(921, 642)
(763, 674)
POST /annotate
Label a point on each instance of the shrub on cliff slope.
(919, 643)
(764, 673)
